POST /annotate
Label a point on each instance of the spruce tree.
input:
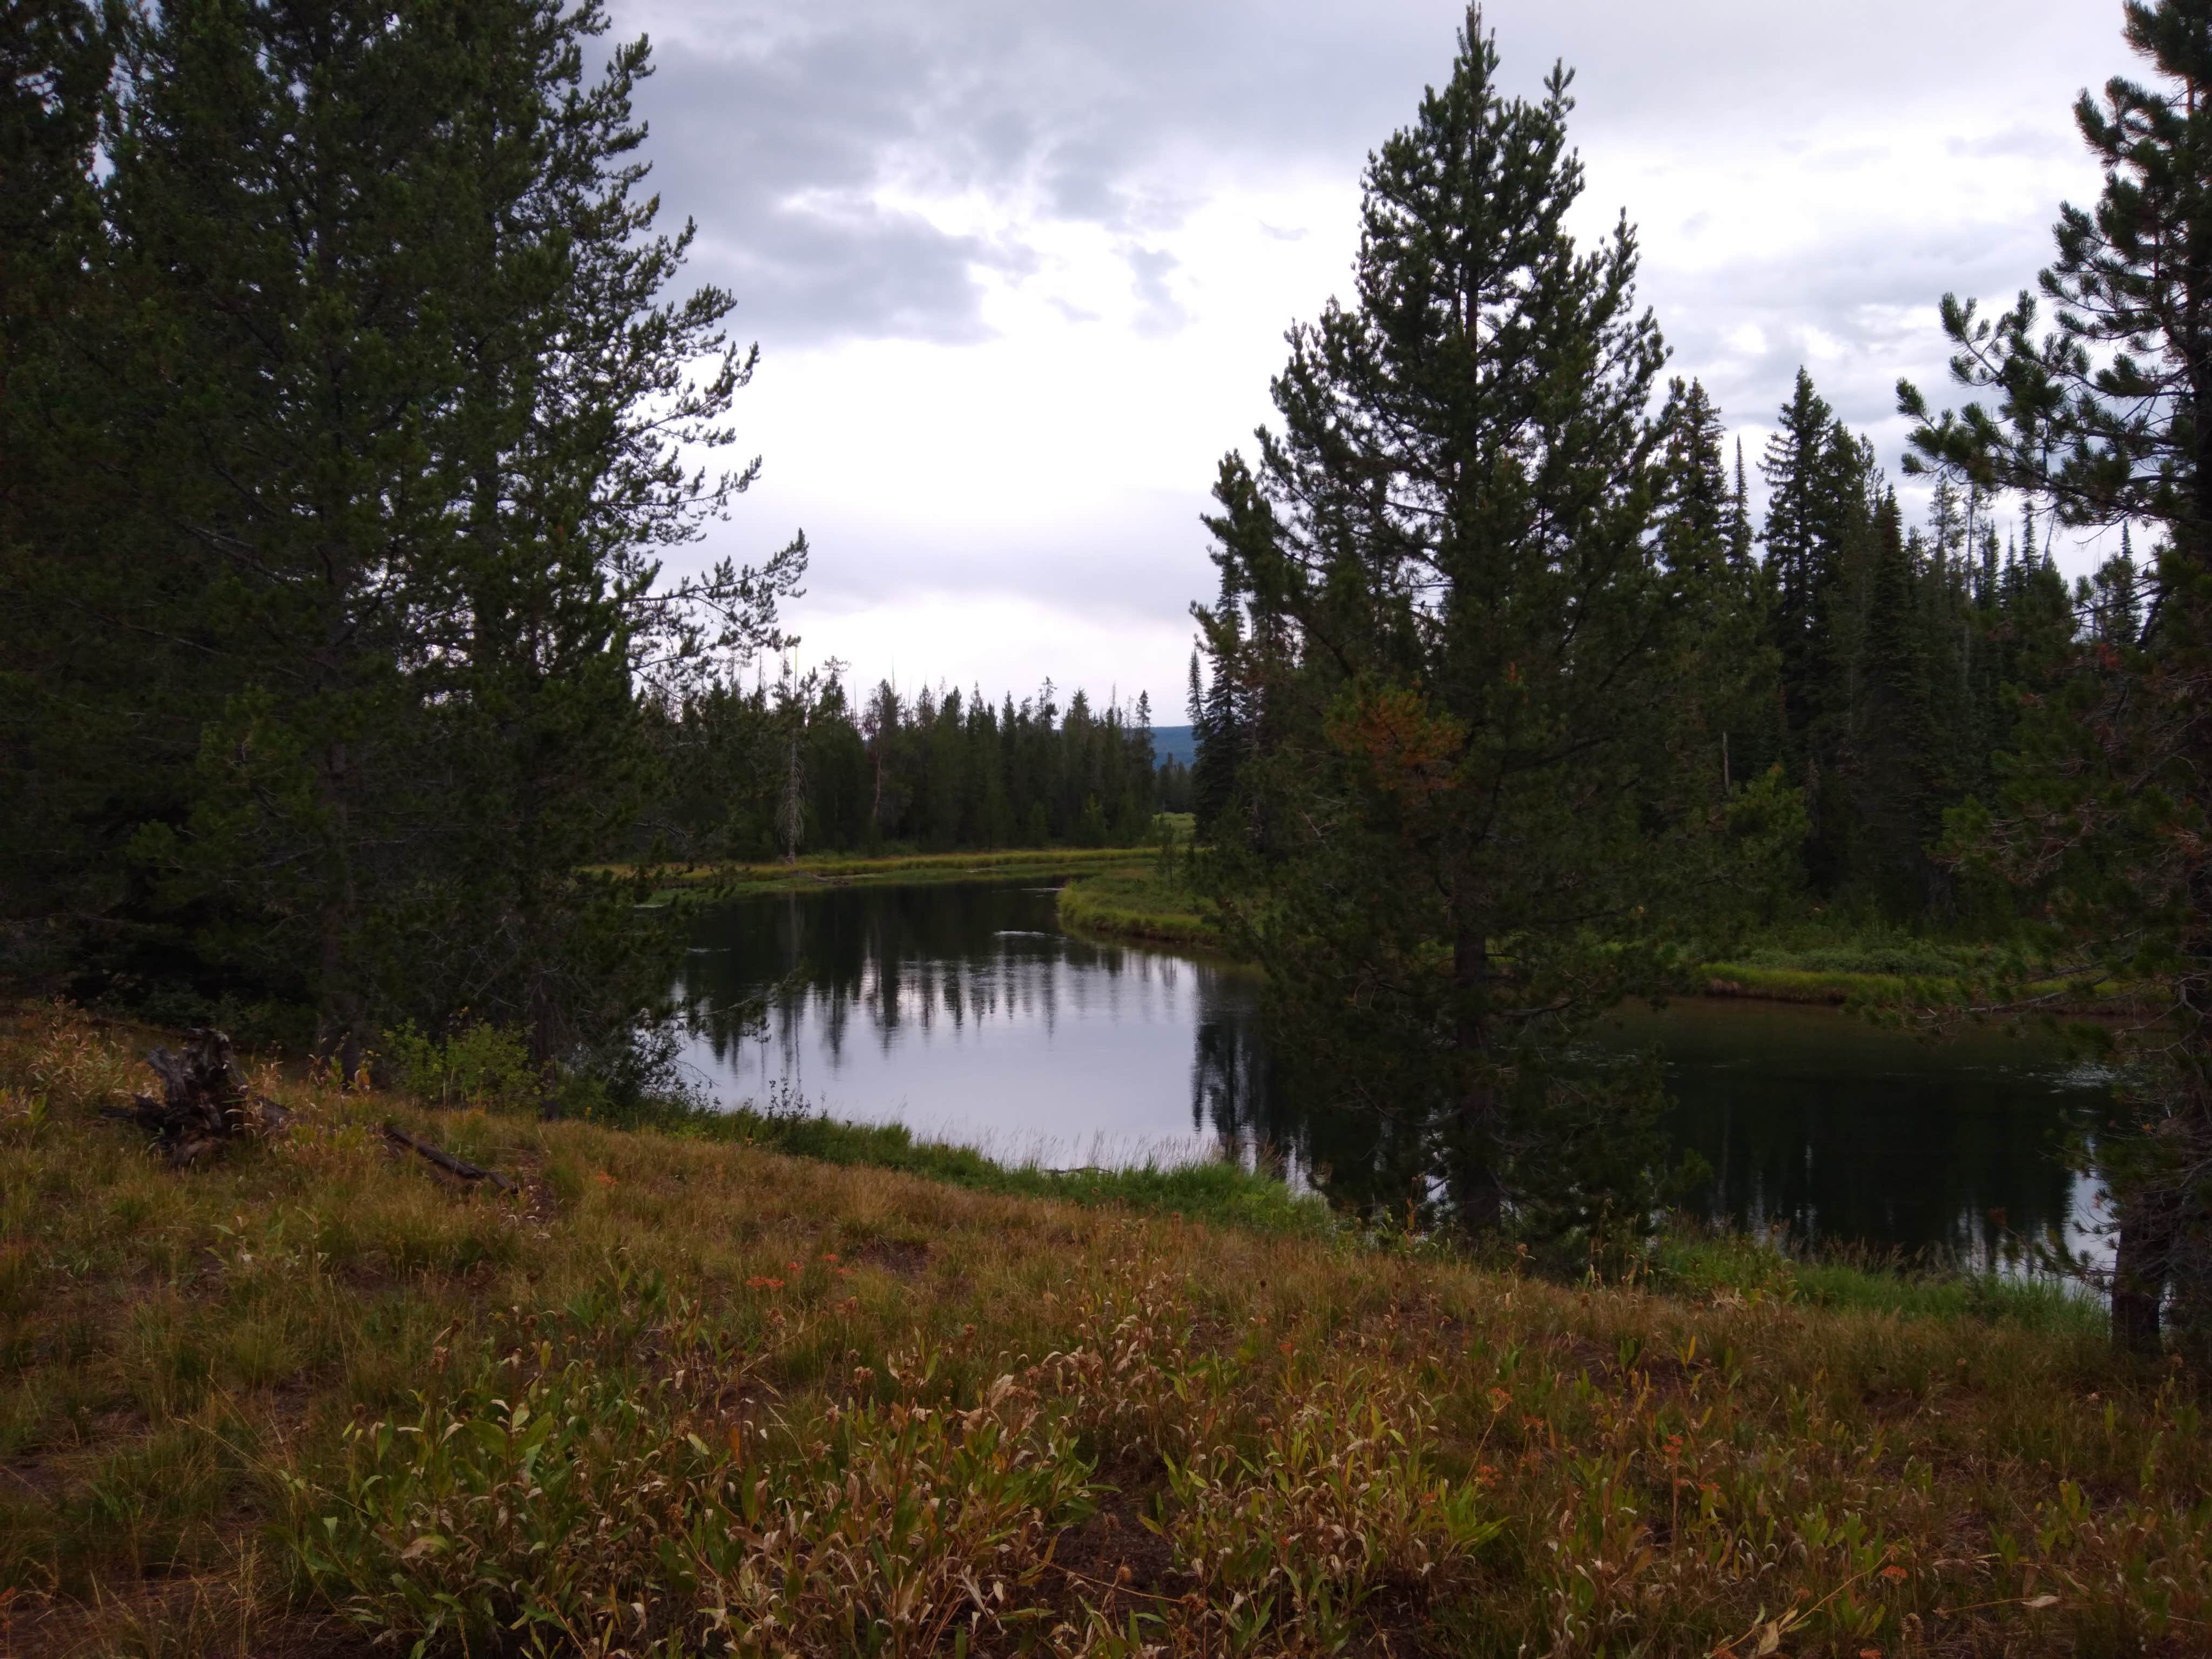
(1894, 772)
(1222, 729)
(1727, 687)
(1819, 533)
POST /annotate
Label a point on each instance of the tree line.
(1512, 707)
(1876, 667)
(799, 766)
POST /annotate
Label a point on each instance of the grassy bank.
(1801, 964)
(680, 1394)
(1137, 903)
(1220, 1194)
(815, 871)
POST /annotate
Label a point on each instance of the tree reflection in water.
(965, 1011)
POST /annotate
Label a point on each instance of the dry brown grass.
(677, 1396)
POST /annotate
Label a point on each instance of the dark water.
(965, 1012)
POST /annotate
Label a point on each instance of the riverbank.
(815, 871)
(1135, 902)
(673, 1388)
(1138, 903)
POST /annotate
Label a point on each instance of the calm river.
(966, 1013)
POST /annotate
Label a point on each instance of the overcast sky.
(1020, 269)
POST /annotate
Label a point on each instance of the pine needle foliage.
(1477, 658)
(2101, 816)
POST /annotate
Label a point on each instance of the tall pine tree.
(1484, 641)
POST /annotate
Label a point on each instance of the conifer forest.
(377, 707)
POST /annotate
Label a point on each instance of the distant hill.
(1178, 741)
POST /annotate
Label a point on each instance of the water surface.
(965, 1012)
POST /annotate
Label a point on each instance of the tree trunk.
(1482, 1195)
(2138, 1286)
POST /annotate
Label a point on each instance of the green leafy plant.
(478, 1065)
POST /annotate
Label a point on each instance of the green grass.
(1214, 1191)
(685, 1393)
(1796, 963)
(1138, 903)
(1694, 1263)
(813, 871)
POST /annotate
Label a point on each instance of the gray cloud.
(778, 122)
(776, 126)
(1159, 313)
(794, 131)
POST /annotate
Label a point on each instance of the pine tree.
(1221, 730)
(79, 774)
(2104, 814)
(392, 434)
(1464, 489)
(1895, 774)
(283, 188)
(1819, 537)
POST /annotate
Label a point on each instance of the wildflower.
(762, 1282)
(603, 1178)
(1896, 1575)
(1500, 1400)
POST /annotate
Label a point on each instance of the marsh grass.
(682, 1393)
(1138, 903)
(1872, 967)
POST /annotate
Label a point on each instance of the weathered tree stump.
(205, 1103)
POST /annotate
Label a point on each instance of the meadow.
(684, 1392)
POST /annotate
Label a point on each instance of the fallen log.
(205, 1103)
(445, 1160)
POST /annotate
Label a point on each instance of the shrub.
(478, 1065)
